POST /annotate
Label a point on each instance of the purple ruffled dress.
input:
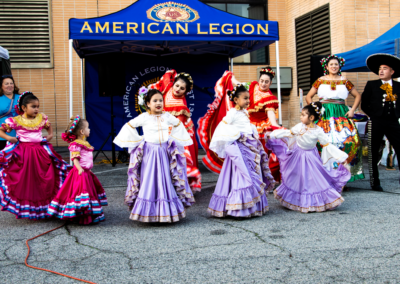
(158, 188)
(309, 183)
(245, 177)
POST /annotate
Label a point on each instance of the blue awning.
(156, 28)
(386, 43)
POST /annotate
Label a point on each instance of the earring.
(237, 107)
(148, 111)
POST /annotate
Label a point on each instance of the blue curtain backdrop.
(142, 70)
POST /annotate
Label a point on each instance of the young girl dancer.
(31, 172)
(245, 177)
(157, 181)
(174, 88)
(308, 183)
(81, 196)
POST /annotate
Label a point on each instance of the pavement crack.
(257, 235)
(100, 250)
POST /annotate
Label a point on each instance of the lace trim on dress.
(83, 143)
(31, 124)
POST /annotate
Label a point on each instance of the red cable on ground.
(34, 267)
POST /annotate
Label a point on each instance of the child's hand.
(13, 140)
(80, 171)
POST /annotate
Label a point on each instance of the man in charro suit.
(380, 101)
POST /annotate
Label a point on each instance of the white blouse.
(307, 138)
(229, 130)
(156, 130)
(339, 92)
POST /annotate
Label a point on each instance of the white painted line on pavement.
(110, 170)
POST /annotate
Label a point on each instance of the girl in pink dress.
(31, 172)
(82, 195)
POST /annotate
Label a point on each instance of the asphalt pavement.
(359, 242)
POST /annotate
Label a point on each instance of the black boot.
(377, 188)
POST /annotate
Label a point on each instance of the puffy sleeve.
(75, 151)
(179, 133)
(330, 153)
(128, 135)
(286, 133)
(349, 85)
(8, 125)
(46, 121)
(317, 83)
(224, 135)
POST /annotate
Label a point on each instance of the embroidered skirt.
(243, 182)
(30, 176)
(344, 135)
(158, 187)
(306, 185)
(80, 198)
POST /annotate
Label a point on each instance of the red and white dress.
(178, 108)
(31, 172)
(260, 103)
(81, 196)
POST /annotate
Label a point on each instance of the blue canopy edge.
(156, 28)
(388, 43)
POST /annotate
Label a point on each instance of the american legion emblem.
(172, 12)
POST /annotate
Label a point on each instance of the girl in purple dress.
(158, 186)
(309, 182)
(245, 177)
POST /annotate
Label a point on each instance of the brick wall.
(353, 24)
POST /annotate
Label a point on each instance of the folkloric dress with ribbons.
(245, 178)
(158, 187)
(260, 103)
(82, 195)
(178, 108)
(31, 172)
(342, 131)
(309, 182)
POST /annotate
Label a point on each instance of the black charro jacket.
(372, 98)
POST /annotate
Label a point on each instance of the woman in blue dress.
(9, 95)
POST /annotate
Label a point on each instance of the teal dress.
(4, 107)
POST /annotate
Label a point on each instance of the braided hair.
(237, 90)
(314, 109)
(71, 133)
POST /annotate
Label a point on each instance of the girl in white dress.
(158, 188)
(309, 182)
(245, 177)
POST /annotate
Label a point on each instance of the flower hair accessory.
(188, 77)
(18, 106)
(317, 108)
(142, 93)
(231, 94)
(268, 70)
(68, 136)
(324, 63)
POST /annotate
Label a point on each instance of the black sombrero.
(374, 61)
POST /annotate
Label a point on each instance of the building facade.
(36, 34)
